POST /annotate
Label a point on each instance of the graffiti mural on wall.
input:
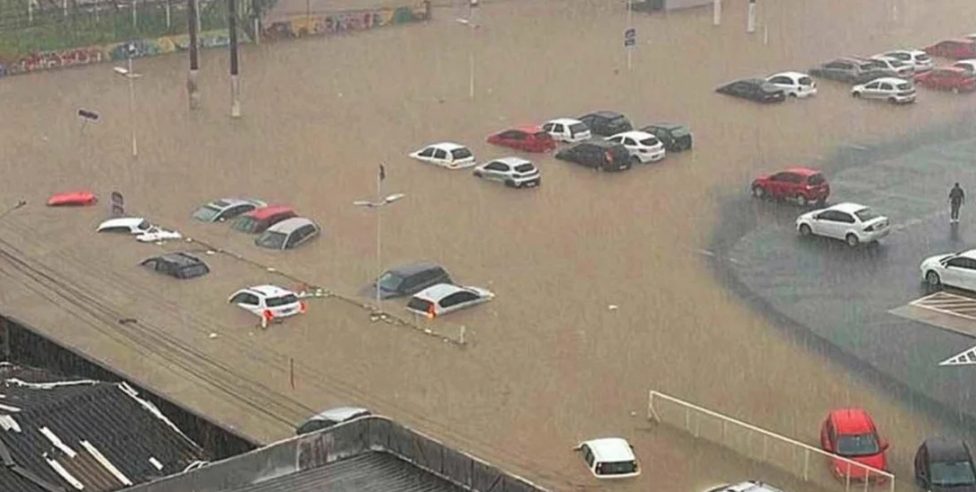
(48, 60)
(360, 20)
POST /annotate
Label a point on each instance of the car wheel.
(759, 192)
(856, 94)
(802, 201)
(477, 174)
(805, 230)
(892, 100)
(932, 279)
(852, 240)
(510, 183)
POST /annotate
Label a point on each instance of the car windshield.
(617, 121)
(952, 473)
(873, 65)
(904, 86)
(857, 445)
(650, 141)
(390, 281)
(866, 214)
(680, 131)
(144, 225)
(616, 467)
(815, 179)
(282, 300)
(525, 168)
(206, 213)
(461, 153)
(577, 128)
(245, 224)
(271, 239)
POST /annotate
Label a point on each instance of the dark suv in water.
(407, 280)
(606, 123)
(598, 154)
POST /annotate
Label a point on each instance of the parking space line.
(950, 304)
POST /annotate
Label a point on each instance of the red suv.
(850, 433)
(801, 184)
(949, 79)
(526, 138)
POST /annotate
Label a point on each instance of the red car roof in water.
(72, 198)
(265, 212)
(803, 171)
(852, 421)
(530, 129)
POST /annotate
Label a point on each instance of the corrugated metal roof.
(368, 472)
(96, 434)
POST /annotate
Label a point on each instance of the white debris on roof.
(154, 462)
(8, 423)
(64, 473)
(52, 385)
(92, 450)
(8, 408)
(57, 442)
(129, 390)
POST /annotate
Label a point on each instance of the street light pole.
(380, 202)
(132, 107)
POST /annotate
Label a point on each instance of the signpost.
(87, 116)
(630, 42)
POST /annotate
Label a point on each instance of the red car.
(851, 433)
(72, 198)
(948, 79)
(800, 184)
(526, 138)
(953, 48)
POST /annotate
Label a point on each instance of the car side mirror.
(884, 445)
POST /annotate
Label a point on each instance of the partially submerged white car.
(445, 298)
(852, 223)
(609, 457)
(643, 146)
(747, 486)
(567, 130)
(918, 59)
(891, 89)
(141, 228)
(515, 172)
(268, 301)
(796, 84)
(446, 154)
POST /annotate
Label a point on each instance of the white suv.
(795, 84)
(268, 301)
(642, 146)
(567, 130)
(609, 457)
(513, 171)
(850, 222)
(895, 90)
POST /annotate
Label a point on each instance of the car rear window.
(815, 179)
(866, 214)
(524, 168)
(578, 128)
(616, 467)
(245, 224)
(272, 239)
(461, 153)
(650, 141)
(904, 86)
(418, 304)
(806, 81)
(282, 301)
(541, 136)
(206, 213)
(922, 57)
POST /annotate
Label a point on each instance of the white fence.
(807, 462)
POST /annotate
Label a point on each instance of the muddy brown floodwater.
(548, 364)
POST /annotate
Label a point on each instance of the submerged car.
(852, 70)
(795, 84)
(747, 486)
(951, 269)
(800, 184)
(446, 298)
(288, 234)
(258, 220)
(643, 146)
(128, 225)
(331, 418)
(178, 265)
(72, 199)
(754, 90)
(957, 49)
(526, 139)
(944, 464)
(674, 136)
(852, 223)
(226, 208)
(851, 433)
(405, 280)
(955, 79)
(918, 59)
(445, 154)
(597, 154)
(567, 130)
(606, 123)
(515, 172)
(891, 89)
(609, 457)
(268, 301)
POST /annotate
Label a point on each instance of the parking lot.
(548, 362)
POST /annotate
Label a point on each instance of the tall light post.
(381, 201)
(130, 74)
(472, 25)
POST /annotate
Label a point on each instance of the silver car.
(226, 208)
(288, 234)
(445, 298)
(747, 486)
(513, 171)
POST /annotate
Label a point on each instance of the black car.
(944, 464)
(606, 123)
(407, 280)
(754, 89)
(675, 137)
(598, 154)
(179, 265)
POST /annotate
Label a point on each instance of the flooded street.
(549, 363)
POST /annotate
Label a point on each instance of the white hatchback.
(795, 84)
(891, 89)
(642, 146)
(850, 222)
(445, 154)
(747, 486)
(918, 59)
(445, 298)
(268, 301)
(567, 130)
(952, 269)
(513, 171)
(609, 457)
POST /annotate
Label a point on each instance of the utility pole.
(191, 80)
(751, 20)
(235, 86)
